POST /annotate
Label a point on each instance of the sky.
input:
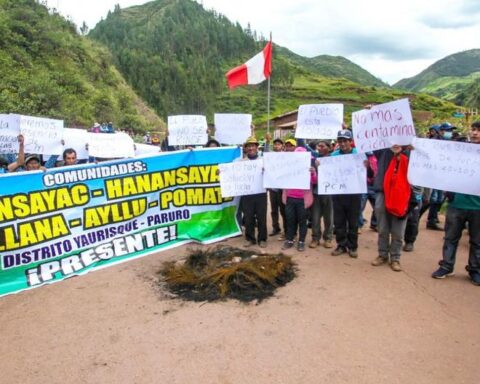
(390, 39)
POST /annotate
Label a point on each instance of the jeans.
(391, 230)
(296, 216)
(454, 225)
(254, 209)
(436, 201)
(346, 209)
(322, 207)
(413, 218)
(369, 196)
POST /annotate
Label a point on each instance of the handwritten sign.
(319, 121)
(342, 175)
(77, 139)
(382, 126)
(146, 150)
(41, 135)
(241, 178)
(445, 165)
(187, 130)
(232, 128)
(287, 170)
(110, 145)
(8, 135)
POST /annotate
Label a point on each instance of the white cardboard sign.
(146, 149)
(41, 135)
(241, 178)
(8, 135)
(110, 145)
(77, 139)
(319, 121)
(445, 165)
(287, 170)
(232, 128)
(383, 126)
(342, 175)
(187, 130)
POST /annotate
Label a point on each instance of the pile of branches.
(227, 272)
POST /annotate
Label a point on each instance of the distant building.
(284, 125)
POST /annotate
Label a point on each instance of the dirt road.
(340, 321)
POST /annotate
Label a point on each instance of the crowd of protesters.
(395, 216)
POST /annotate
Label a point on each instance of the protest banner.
(232, 128)
(342, 175)
(76, 139)
(319, 121)
(286, 170)
(382, 126)
(241, 178)
(146, 150)
(8, 135)
(70, 221)
(187, 130)
(117, 145)
(445, 165)
(42, 136)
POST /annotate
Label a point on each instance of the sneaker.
(301, 246)
(314, 244)
(408, 247)
(287, 244)
(434, 227)
(281, 237)
(248, 243)
(338, 251)
(379, 261)
(262, 244)
(353, 253)
(395, 265)
(328, 244)
(441, 273)
(474, 277)
(274, 232)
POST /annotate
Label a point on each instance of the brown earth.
(340, 321)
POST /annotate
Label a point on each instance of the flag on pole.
(254, 71)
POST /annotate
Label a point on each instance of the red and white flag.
(254, 71)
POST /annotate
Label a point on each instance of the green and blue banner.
(72, 220)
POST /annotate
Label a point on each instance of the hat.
(32, 157)
(252, 140)
(96, 125)
(291, 142)
(447, 127)
(278, 140)
(435, 127)
(344, 134)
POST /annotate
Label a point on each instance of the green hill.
(174, 54)
(453, 78)
(333, 67)
(47, 69)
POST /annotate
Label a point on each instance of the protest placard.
(445, 165)
(241, 178)
(110, 145)
(8, 135)
(187, 130)
(232, 128)
(342, 175)
(77, 139)
(41, 135)
(382, 126)
(319, 121)
(146, 149)
(287, 170)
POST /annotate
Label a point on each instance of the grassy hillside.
(449, 78)
(175, 54)
(47, 69)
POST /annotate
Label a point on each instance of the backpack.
(396, 187)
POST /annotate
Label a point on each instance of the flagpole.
(268, 97)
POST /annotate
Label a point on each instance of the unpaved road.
(340, 321)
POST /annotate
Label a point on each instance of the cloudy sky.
(390, 39)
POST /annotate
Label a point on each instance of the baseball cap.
(252, 140)
(291, 142)
(344, 134)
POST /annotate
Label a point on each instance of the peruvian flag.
(254, 71)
